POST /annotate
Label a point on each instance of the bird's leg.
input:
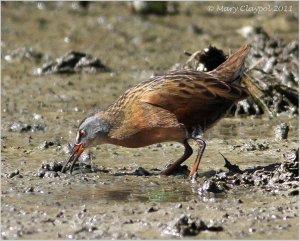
(201, 149)
(188, 151)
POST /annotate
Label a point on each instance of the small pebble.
(178, 205)
(12, 174)
(281, 132)
(152, 209)
(29, 190)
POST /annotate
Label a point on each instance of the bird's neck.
(110, 118)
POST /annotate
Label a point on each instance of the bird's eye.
(81, 134)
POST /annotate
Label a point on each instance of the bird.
(173, 107)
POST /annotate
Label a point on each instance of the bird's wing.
(187, 92)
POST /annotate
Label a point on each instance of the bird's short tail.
(232, 69)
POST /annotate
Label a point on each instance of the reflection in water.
(168, 196)
(121, 193)
(116, 195)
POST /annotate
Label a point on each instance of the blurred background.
(126, 36)
(133, 39)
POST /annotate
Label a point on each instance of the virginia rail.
(176, 106)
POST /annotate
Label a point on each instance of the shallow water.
(101, 204)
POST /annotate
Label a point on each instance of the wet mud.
(247, 185)
(275, 178)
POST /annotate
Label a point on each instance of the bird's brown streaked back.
(194, 96)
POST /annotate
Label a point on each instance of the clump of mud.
(189, 226)
(51, 169)
(19, 126)
(73, 62)
(252, 145)
(276, 178)
(34, 123)
(13, 174)
(54, 169)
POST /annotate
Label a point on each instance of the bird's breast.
(146, 137)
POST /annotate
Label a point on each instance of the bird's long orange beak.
(73, 157)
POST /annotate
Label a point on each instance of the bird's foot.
(194, 177)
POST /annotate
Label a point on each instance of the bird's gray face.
(92, 131)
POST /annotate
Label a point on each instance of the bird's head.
(92, 131)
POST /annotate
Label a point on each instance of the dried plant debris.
(73, 62)
(276, 178)
(273, 70)
(189, 226)
(272, 76)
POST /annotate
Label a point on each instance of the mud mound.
(189, 226)
(73, 62)
(276, 178)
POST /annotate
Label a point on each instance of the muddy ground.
(119, 195)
